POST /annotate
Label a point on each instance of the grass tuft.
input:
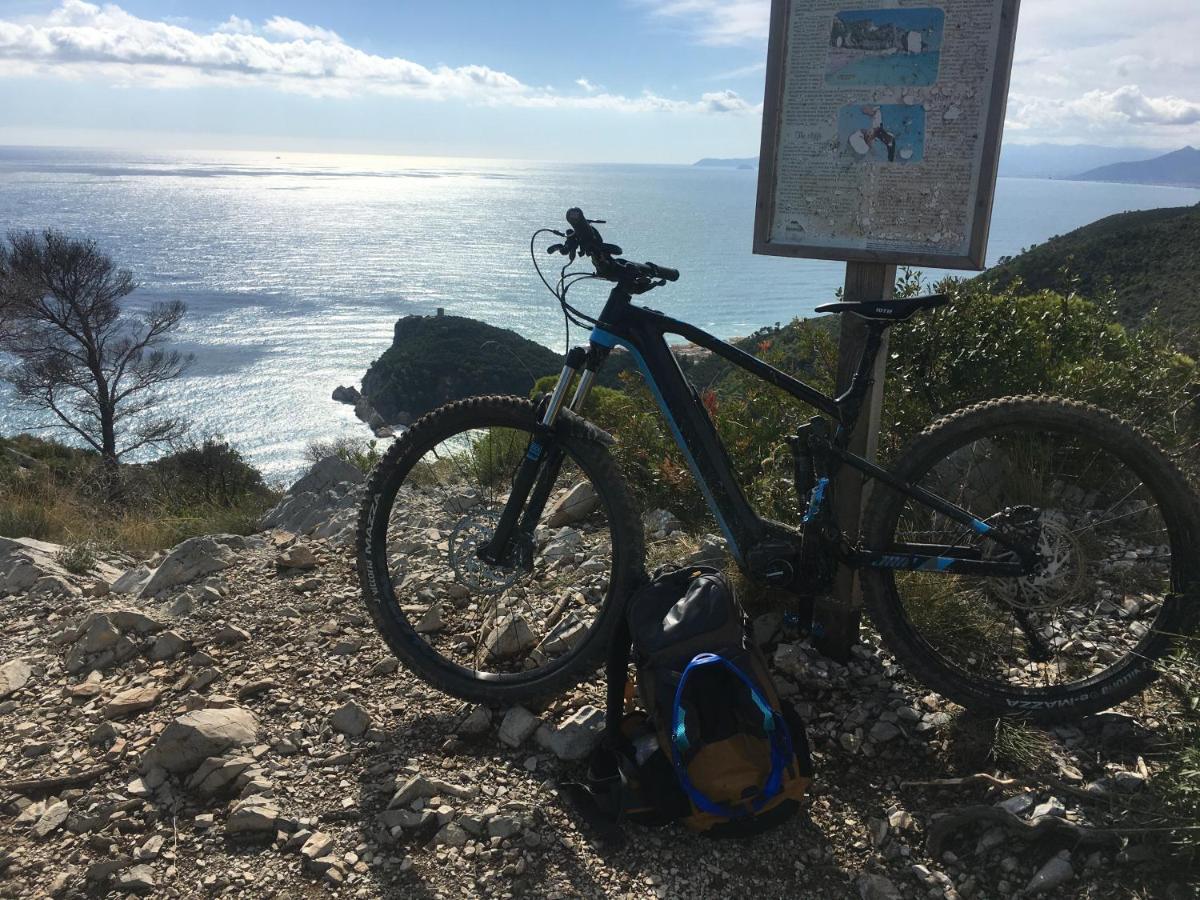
(1019, 746)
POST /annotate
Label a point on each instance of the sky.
(605, 81)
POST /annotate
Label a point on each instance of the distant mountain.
(1018, 160)
(1148, 259)
(1064, 160)
(1181, 167)
(749, 162)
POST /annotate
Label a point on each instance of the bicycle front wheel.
(1113, 522)
(507, 633)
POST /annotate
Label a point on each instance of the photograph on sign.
(890, 132)
(881, 129)
(885, 46)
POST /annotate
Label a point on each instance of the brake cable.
(571, 315)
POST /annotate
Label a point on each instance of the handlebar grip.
(666, 273)
(585, 234)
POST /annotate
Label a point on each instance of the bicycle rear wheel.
(495, 633)
(1115, 525)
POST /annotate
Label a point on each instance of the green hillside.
(1149, 259)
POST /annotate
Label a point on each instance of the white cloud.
(291, 30)
(741, 71)
(718, 21)
(1101, 114)
(727, 101)
(236, 25)
(83, 40)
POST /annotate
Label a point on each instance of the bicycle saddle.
(886, 310)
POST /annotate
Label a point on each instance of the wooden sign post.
(880, 142)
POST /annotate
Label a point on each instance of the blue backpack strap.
(773, 725)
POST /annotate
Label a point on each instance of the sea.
(295, 267)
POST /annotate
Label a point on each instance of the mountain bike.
(1027, 555)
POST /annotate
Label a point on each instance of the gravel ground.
(246, 734)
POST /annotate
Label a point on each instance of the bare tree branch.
(79, 356)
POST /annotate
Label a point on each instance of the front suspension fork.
(538, 471)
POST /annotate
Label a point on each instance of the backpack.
(713, 746)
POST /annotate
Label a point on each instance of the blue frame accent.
(913, 563)
(816, 500)
(610, 340)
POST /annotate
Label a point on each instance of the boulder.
(563, 543)
(252, 817)
(502, 827)
(475, 723)
(517, 725)
(131, 701)
(14, 675)
(24, 562)
(167, 645)
(97, 634)
(1057, 871)
(192, 559)
(659, 523)
(711, 552)
(217, 775)
(52, 819)
(563, 637)
(298, 557)
(574, 738)
(346, 394)
(231, 634)
(195, 736)
(133, 620)
(876, 887)
(138, 880)
(318, 846)
(575, 506)
(415, 788)
(430, 622)
(350, 719)
(133, 580)
(510, 636)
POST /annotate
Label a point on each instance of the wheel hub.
(472, 533)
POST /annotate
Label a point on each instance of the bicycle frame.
(757, 544)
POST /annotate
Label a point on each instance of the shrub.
(56, 493)
(78, 559)
(365, 454)
(1000, 343)
(211, 472)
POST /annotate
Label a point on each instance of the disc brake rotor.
(1060, 572)
(471, 533)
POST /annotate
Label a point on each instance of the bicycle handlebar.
(589, 242)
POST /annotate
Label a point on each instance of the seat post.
(864, 374)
